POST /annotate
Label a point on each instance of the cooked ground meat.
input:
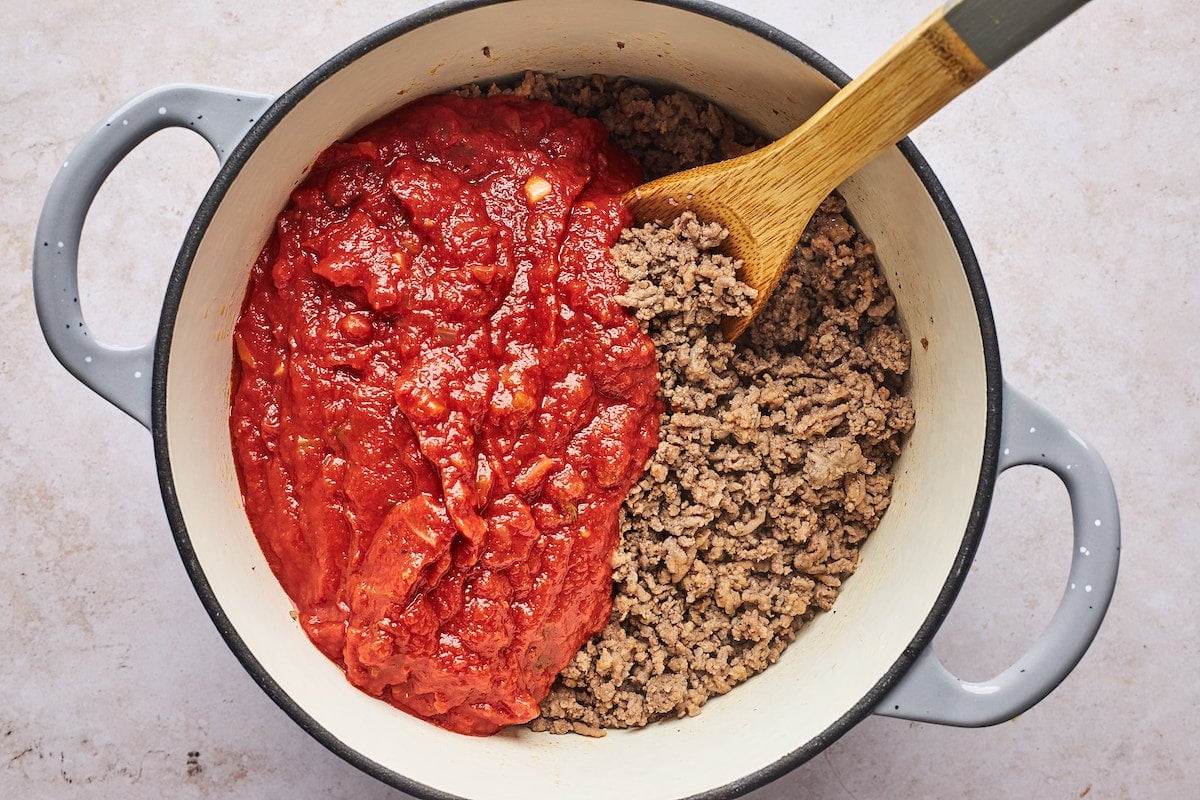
(775, 454)
(666, 131)
(773, 468)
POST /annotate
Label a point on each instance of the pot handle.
(121, 375)
(928, 692)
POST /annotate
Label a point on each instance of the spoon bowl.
(765, 198)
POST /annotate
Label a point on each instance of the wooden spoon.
(765, 198)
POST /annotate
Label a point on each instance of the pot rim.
(212, 200)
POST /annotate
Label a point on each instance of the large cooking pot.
(871, 656)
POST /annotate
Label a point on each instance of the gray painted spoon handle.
(997, 29)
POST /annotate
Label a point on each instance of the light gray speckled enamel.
(119, 374)
(997, 29)
(928, 692)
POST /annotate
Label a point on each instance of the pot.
(872, 655)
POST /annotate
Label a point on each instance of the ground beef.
(666, 130)
(772, 470)
(775, 454)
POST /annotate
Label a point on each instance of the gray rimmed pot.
(872, 656)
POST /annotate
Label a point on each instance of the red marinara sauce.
(438, 408)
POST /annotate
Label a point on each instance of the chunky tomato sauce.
(438, 408)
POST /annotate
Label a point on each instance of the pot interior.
(776, 719)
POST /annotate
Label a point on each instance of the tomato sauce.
(438, 408)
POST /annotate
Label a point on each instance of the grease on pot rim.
(439, 407)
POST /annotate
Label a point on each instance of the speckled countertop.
(1075, 168)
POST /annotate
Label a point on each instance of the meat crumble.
(666, 131)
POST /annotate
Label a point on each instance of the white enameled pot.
(871, 656)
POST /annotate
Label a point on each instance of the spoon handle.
(905, 86)
(919, 75)
(997, 29)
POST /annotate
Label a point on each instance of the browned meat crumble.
(666, 131)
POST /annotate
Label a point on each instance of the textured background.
(1075, 169)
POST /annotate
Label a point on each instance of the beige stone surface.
(1075, 169)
